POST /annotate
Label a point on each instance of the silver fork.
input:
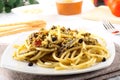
(109, 27)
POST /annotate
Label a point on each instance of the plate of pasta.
(59, 51)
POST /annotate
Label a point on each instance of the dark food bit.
(68, 28)
(35, 35)
(30, 40)
(30, 64)
(80, 40)
(76, 31)
(90, 41)
(61, 49)
(86, 34)
(104, 59)
(53, 27)
(43, 36)
(59, 44)
(63, 29)
(54, 38)
(42, 29)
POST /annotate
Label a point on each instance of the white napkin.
(99, 13)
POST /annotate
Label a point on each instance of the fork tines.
(107, 24)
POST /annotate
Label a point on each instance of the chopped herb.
(53, 27)
(86, 34)
(35, 35)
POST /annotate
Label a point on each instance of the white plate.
(34, 10)
(8, 62)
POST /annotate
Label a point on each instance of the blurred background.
(7, 5)
(99, 2)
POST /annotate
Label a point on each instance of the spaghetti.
(62, 48)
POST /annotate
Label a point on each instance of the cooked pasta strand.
(62, 48)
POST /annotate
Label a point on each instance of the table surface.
(51, 19)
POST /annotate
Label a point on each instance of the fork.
(109, 27)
